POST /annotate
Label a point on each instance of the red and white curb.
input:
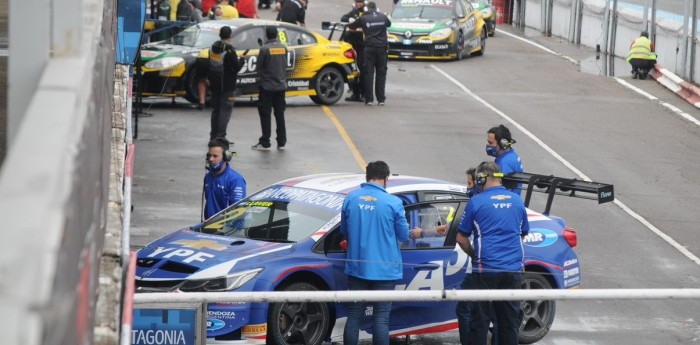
(689, 92)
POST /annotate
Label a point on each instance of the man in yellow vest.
(641, 56)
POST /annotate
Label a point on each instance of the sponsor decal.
(200, 244)
(188, 254)
(500, 197)
(369, 311)
(368, 198)
(604, 195)
(254, 329)
(215, 324)
(408, 34)
(568, 263)
(220, 314)
(420, 26)
(572, 282)
(277, 51)
(150, 53)
(300, 84)
(246, 81)
(259, 203)
(571, 272)
(540, 238)
(441, 46)
(158, 337)
(317, 198)
(428, 2)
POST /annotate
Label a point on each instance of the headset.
(480, 176)
(228, 155)
(500, 134)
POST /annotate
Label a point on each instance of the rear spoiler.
(553, 185)
(333, 26)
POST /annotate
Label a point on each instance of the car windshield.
(422, 9)
(195, 37)
(279, 214)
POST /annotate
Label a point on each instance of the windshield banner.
(328, 200)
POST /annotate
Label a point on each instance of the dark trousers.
(356, 312)
(507, 312)
(375, 61)
(465, 311)
(267, 101)
(358, 87)
(222, 104)
(642, 66)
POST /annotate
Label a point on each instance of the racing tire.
(330, 86)
(460, 46)
(298, 323)
(492, 28)
(537, 315)
(484, 35)
(192, 91)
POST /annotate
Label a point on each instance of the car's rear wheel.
(538, 315)
(192, 88)
(298, 323)
(329, 86)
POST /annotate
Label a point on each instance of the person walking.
(272, 70)
(223, 186)
(224, 65)
(499, 145)
(641, 56)
(374, 25)
(356, 39)
(497, 218)
(373, 222)
(292, 11)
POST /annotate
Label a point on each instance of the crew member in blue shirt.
(498, 220)
(500, 146)
(374, 223)
(223, 186)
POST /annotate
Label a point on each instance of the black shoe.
(634, 76)
(354, 99)
(200, 106)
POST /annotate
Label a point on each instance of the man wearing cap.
(641, 56)
(355, 37)
(374, 25)
(272, 70)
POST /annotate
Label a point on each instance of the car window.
(434, 219)
(412, 9)
(248, 39)
(469, 8)
(295, 37)
(461, 12)
(195, 37)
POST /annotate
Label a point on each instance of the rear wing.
(333, 27)
(553, 185)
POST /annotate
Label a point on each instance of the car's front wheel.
(330, 85)
(537, 315)
(482, 49)
(298, 323)
(192, 88)
(460, 46)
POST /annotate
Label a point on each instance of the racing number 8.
(283, 36)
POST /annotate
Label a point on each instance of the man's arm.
(463, 242)
(236, 191)
(356, 24)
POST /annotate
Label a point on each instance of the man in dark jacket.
(355, 37)
(292, 11)
(272, 70)
(374, 25)
(224, 65)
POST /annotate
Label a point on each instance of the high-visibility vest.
(641, 49)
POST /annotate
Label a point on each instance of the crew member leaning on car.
(374, 25)
(499, 145)
(498, 220)
(356, 38)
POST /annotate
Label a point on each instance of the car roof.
(345, 183)
(241, 22)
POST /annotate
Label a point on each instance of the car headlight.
(229, 282)
(442, 33)
(164, 63)
(487, 12)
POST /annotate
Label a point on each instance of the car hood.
(417, 26)
(156, 51)
(186, 254)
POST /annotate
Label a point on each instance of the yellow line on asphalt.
(346, 137)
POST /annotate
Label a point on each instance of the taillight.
(570, 236)
(350, 54)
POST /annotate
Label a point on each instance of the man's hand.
(416, 233)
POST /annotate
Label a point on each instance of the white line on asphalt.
(566, 163)
(538, 46)
(671, 107)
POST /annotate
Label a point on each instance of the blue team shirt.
(497, 218)
(509, 162)
(374, 222)
(222, 191)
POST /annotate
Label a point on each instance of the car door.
(431, 262)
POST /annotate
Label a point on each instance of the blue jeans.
(464, 311)
(356, 311)
(507, 312)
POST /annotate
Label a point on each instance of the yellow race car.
(436, 30)
(316, 67)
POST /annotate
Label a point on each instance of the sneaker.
(281, 147)
(260, 147)
(369, 104)
(200, 106)
(381, 104)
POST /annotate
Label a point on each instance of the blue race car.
(286, 238)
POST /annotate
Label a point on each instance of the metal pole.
(606, 26)
(684, 42)
(645, 21)
(543, 15)
(693, 35)
(652, 33)
(613, 28)
(572, 21)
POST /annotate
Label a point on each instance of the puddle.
(605, 65)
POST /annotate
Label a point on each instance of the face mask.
(492, 151)
(215, 167)
(471, 192)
